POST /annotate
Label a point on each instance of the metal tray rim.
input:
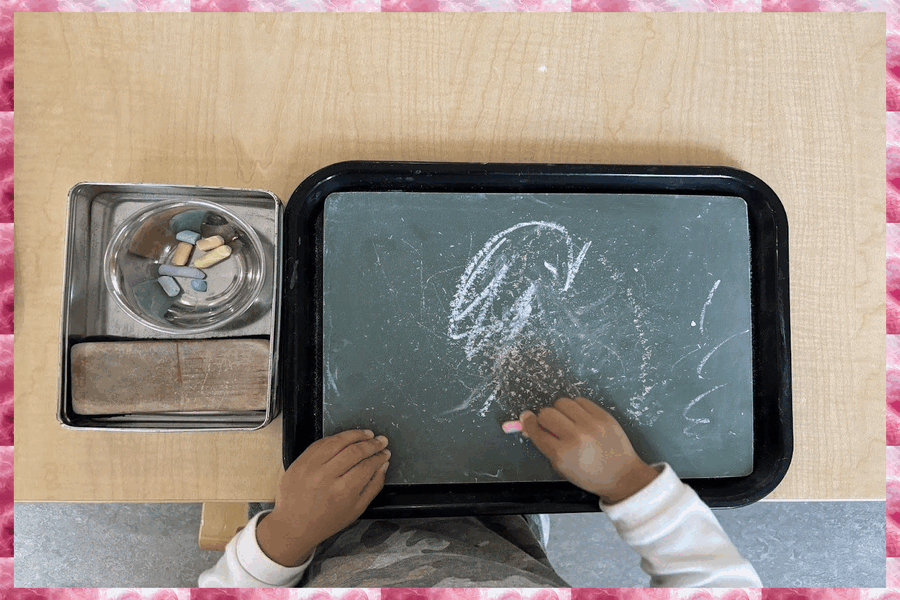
(273, 405)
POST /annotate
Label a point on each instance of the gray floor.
(791, 544)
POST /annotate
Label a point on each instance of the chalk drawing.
(503, 287)
(708, 300)
(694, 421)
(706, 358)
(473, 310)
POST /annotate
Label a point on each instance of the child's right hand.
(588, 447)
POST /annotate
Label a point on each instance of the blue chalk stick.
(151, 298)
(170, 286)
(198, 284)
(173, 271)
(190, 237)
(190, 220)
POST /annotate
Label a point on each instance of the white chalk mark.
(708, 300)
(331, 382)
(692, 403)
(474, 313)
(489, 475)
(487, 404)
(685, 356)
(700, 397)
(574, 266)
(693, 323)
(427, 281)
(706, 358)
(465, 404)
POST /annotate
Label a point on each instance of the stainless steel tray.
(89, 311)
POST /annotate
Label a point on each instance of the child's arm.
(326, 489)
(680, 541)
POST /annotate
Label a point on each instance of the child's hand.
(587, 446)
(326, 489)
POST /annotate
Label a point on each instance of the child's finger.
(360, 475)
(591, 407)
(541, 438)
(331, 446)
(375, 484)
(555, 422)
(356, 454)
(572, 410)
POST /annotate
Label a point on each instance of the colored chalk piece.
(209, 243)
(198, 284)
(190, 220)
(213, 257)
(152, 298)
(169, 285)
(512, 426)
(189, 237)
(189, 272)
(182, 254)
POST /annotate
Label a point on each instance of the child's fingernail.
(525, 413)
(385, 466)
(369, 432)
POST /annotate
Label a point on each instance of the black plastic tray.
(301, 318)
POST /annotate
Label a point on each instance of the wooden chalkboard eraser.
(169, 376)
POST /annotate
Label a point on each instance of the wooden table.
(262, 101)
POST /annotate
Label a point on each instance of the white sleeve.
(244, 565)
(679, 539)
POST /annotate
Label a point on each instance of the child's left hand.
(325, 490)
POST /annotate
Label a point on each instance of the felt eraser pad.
(169, 376)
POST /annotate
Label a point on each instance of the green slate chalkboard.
(445, 315)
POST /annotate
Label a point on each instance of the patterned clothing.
(678, 538)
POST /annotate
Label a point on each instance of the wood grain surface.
(263, 100)
(169, 376)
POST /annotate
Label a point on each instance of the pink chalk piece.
(512, 426)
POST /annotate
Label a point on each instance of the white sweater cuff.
(258, 565)
(658, 494)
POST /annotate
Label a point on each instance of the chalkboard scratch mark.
(706, 358)
(685, 356)
(708, 300)
(422, 284)
(692, 403)
(438, 296)
(429, 330)
(466, 403)
(592, 305)
(498, 471)
(413, 247)
(427, 281)
(331, 381)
